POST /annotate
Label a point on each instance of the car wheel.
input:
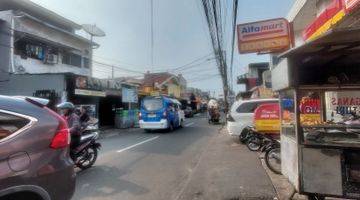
(147, 130)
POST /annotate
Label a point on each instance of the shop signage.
(351, 4)
(90, 93)
(345, 104)
(309, 111)
(334, 13)
(90, 83)
(129, 94)
(267, 118)
(263, 36)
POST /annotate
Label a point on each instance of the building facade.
(163, 84)
(37, 41)
(311, 21)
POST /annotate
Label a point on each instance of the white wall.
(32, 27)
(34, 66)
(51, 36)
(289, 160)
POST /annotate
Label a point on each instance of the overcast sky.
(180, 34)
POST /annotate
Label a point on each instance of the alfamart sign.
(263, 36)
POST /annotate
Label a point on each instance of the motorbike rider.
(84, 117)
(68, 111)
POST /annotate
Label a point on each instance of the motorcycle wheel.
(244, 136)
(315, 197)
(88, 159)
(253, 144)
(273, 160)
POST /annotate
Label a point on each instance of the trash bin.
(122, 118)
(126, 118)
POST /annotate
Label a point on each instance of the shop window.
(334, 120)
(71, 59)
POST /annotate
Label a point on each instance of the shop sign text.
(345, 105)
(263, 36)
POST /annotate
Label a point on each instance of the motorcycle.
(214, 115)
(85, 153)
(273, 156)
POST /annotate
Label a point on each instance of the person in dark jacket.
(73, 121)
(84, 117)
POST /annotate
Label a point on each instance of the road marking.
(137, 144)
(189, 124)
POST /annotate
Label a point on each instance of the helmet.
(66, 105)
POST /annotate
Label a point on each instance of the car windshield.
(153, 104)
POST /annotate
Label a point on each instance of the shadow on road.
(174, 143)
(102, 181)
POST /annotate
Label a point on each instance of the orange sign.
(263, 36)
(272, 44)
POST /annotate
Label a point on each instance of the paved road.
(195, 162)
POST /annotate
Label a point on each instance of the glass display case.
(330, 118)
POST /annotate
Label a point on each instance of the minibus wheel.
(171, 127)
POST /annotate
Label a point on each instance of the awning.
(339, 40)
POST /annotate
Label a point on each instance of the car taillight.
(230, 118)
(62, 135)
(164, 115)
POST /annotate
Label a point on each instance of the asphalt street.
(195, 162)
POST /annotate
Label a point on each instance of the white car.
(242, 114)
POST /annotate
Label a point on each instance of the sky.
(180, 35)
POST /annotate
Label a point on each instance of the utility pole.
(112, 72)
(152, 32)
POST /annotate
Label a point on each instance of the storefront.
(104, 97)
(319, 93)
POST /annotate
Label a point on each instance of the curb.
(283, 188)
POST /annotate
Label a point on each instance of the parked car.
(161, 113)
(188, 112)
(34, 151)
(241, 114)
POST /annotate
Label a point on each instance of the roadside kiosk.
(319, 89)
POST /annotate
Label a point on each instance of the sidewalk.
(228, 171)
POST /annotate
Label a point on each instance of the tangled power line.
(214, 17)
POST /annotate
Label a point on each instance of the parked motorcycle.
(85, 153)
(273, 156)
